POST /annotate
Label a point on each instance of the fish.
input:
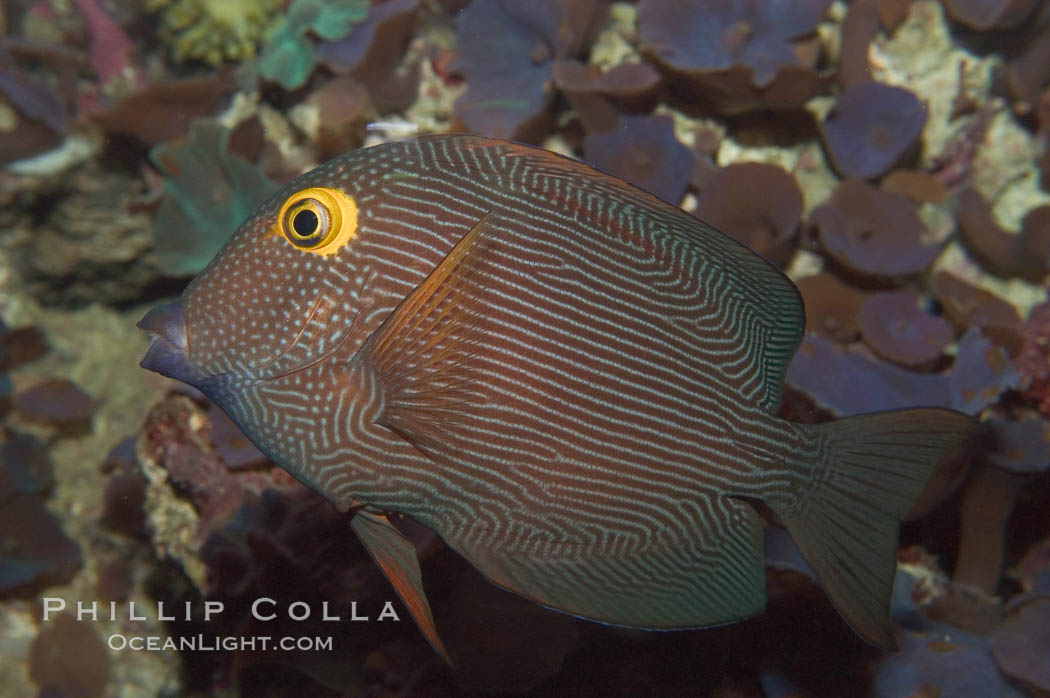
(573, 383)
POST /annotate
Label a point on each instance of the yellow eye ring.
(318, 220)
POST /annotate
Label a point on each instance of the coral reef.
(214, 31)
(736, 56)
(768, 226)
(290, 55)
(644, 150)
(68, 658)
(208, 192)
(871, 128)
(375, 53)
(507, 52)
(892, 156)
(871, 232)
(894, 326)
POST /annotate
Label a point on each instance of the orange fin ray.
(396, 556)
(421, 353)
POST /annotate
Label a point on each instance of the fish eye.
(307, 223)
(318, 220)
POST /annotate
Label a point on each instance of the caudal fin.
(874, 469)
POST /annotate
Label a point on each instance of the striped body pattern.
(572, 382)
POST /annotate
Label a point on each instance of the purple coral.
(966, 305)
(506, 52)
(757, 203)
(34, 549)
(872, 232)
(164, 109)
(644, 151)
(507, 63)
(872, 127)
(735, 56)
(68, 658)
(1019, 645)
(1024, 443)
(25, 466)
(595, 95)
(981, 373)
(719, 34)
(896, 328)
(372, 52)
(832, 307)
(40, 116)
(57, 401)
(848, 382)
(1026, 255)
(988, 14)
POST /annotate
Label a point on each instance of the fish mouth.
(168, 353)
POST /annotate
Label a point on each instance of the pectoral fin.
(421, 355)
(396, 556)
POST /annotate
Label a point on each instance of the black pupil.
(305, 223)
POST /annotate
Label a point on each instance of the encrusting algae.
(214, 31)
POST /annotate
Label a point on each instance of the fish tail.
(872, 470)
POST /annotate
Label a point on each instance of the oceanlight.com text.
(211, 643)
